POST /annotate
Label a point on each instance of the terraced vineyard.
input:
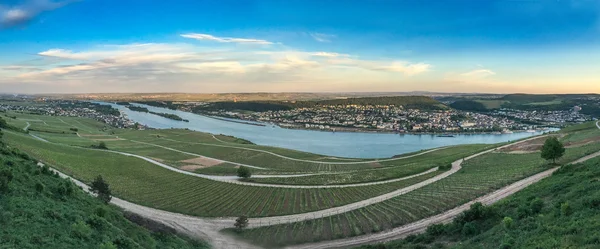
(150, 185)
(478, 176)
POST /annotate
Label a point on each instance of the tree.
(241, 223)
(244, 172)
(536, 205)
(507, 222)
(102, 145)
(101, 189)
(553, 149)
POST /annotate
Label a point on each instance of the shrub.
(39, 187)
(507, 222)
(435, 229)
(469, 229)
(241, 223)
(81, 230)
(565, 209)
(244, 172)
(536, 205)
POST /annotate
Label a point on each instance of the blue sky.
(310, 46)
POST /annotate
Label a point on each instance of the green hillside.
(40, 210)
(409, 102)
(562, 211)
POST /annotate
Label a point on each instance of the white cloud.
(206, 37)
(320, 37)
(478, 73)
(167, 66)
(11, 16)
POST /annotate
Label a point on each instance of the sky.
(197, 46)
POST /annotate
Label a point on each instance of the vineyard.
(478, 176)
(147, 184)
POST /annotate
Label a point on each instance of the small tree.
(102, 145)
(241, 223)
(553, 149)
(101, 189)
(244, 172)
(507, 222)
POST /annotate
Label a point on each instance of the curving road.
(27, 126)
(446, 217)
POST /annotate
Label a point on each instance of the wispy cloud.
(23, 13)
(207, 37)
(478, 73)
(320, 37)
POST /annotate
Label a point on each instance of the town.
(397, 119)
(66, 108)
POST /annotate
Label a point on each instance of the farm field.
(147, 184)
(478, 176)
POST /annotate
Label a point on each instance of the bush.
(39, 187)
(507, 222)
(536, 205)
(469, 229)
(241, 223)
(565, 209)
(244, 172)
(445, 167)
(81, 230)
(435, 229)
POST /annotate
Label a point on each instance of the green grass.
(479, 176)
(149, 185)
(553, 102)
(44, 217)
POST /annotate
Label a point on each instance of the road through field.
(207, 228)
(27, 126)
(446, 217)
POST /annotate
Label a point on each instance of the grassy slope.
(46, 219)
(551, 227)
(137, 180)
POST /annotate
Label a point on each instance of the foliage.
(241, 223)
(507, 222)
(469, 105)
(244, 172)
(409, 102)
(29, 219)
(101, 189)
(552, 149)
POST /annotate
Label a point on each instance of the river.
(340, 144)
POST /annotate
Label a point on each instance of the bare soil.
(207, 162)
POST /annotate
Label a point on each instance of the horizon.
(204, 47)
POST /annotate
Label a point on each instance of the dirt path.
(446, 217)
(27, 126)
(205, 229)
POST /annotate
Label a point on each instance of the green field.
(479, 176)
(150, 185)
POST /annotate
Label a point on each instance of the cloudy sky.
(299, 46)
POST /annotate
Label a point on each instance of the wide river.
(340, 144)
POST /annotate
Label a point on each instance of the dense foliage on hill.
(469, 105)
(38, 209)
(164, 115)
(163, 104)
(409, 102)
(562, 211)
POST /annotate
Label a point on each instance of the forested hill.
(38, 209)
(408, 102)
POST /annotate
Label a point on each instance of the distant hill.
(590, 103)
(409, 102)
